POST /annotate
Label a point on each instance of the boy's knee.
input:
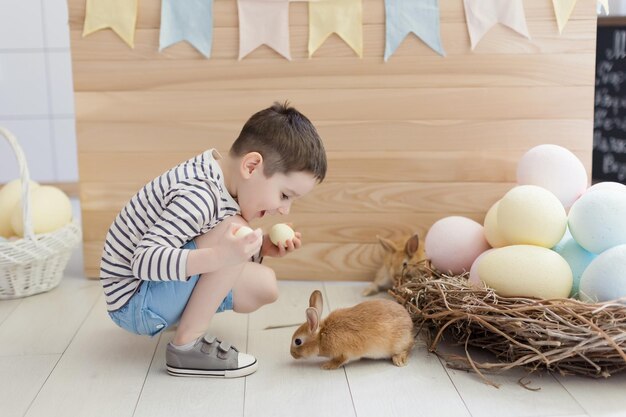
(271, 287)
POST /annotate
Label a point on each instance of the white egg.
(280, 233)
(556, 169)
(243, 231)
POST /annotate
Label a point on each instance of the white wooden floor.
(61, 355)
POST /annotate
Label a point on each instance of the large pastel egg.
(474, 278)
(10, 196)
(577, 258)
(556, 169)
(453, 243)
(50, 210)
(607, 185)
(531, 215)
(604, 279)
(598, 220)
(526, 271)
(492, 233)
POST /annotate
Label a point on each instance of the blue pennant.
(418, 16)
(187, 20)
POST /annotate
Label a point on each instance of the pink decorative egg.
(474, 279)
(453, 243)
(556, 169)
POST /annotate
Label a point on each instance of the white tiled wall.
(36, 91)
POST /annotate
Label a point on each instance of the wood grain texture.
(409, 141)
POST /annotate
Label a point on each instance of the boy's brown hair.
(286, 139)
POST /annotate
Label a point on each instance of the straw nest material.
(563, 335)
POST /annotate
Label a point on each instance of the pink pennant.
(264, 22)
(482, 15)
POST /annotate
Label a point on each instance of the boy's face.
(259, 195)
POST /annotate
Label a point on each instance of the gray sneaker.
(211, 358)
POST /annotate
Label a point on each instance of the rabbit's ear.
(387, 244)
(412, 245)
(313, 319)
(315, 301)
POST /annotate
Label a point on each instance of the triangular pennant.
(343, 17)
(563, 10)
(482, 15)
(118, 15)
(418, 16)
(605, 4)
(264, 22)
(187, 20)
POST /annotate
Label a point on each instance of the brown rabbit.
(372, 329)
(395, 258)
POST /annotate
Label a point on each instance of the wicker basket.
(34, 263)
(561, 335)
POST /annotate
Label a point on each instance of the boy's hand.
(234, 250)
(269, 249)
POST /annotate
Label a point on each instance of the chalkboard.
(609, 130)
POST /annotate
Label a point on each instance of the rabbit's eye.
(298, 342)
(405, 264)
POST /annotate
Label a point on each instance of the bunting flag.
(187, 20)
(605, 4)
(482, 15)
(264, 22)
(118, 15)
(418, 16)
(563, 10)
(343, 17)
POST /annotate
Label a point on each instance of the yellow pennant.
(343, 17)
(119, 15)
(563, 10)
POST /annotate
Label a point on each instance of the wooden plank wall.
(408, 141)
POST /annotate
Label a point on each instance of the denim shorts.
(158, 305)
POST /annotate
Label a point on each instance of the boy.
(171, 255)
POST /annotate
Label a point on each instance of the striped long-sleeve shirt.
(145, 240)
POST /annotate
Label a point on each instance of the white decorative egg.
(526, 271)
(556, 169)
(531, 215)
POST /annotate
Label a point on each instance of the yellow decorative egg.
(280, 233)
(526, 271)
(492, 233)
(50, 210)
(531, 215)
(10, 196)
(243, 231)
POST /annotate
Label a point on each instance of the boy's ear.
(250, 162)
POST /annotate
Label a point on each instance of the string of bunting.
(267, 22)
